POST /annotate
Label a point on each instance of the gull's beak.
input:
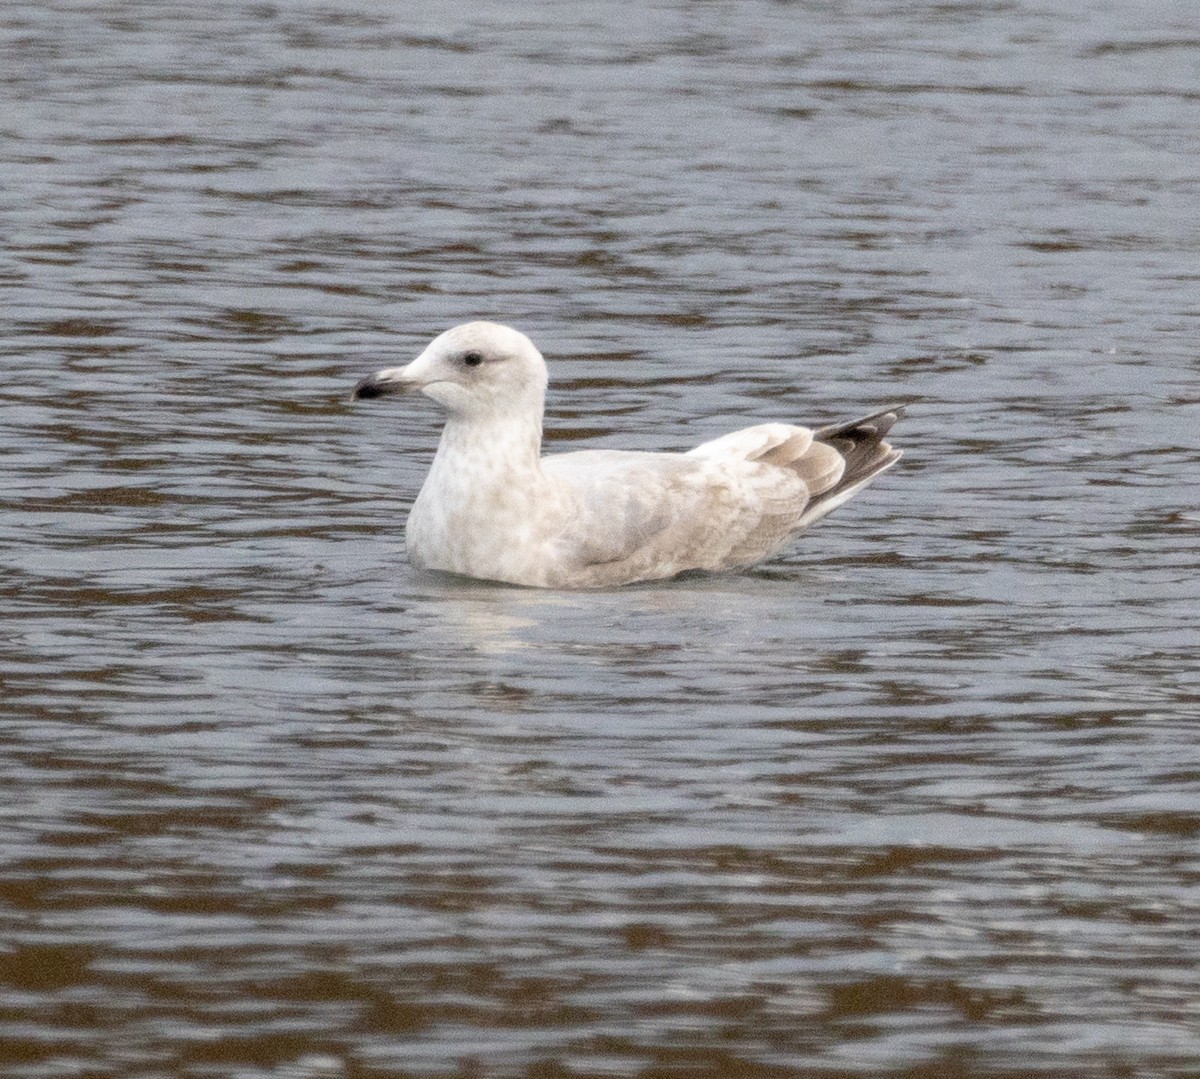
(389, 380)
(424, 371)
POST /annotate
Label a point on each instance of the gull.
(492, 507)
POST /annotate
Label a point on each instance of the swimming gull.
(493, 507)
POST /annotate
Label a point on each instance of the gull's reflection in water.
(486, 617)
(700, 612)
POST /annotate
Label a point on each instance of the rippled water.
(921, 797)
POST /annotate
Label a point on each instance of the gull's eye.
(472, 359)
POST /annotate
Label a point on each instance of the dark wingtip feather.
(861, 443)
(874, 423)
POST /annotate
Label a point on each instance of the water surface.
(920, 797)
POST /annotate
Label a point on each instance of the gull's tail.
(860, 443)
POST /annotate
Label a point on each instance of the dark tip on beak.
(366, 388)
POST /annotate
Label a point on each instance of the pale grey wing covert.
(656, 514)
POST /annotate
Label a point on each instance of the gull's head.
(478, 368)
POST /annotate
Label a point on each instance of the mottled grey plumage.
(493, 507)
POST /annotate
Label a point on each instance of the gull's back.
(727, 504)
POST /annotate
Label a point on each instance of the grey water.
(920, 797)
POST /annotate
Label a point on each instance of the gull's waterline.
(493, 507)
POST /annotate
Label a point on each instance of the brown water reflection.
(918, 799)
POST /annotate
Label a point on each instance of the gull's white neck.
(486, 480)
(508, 438)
